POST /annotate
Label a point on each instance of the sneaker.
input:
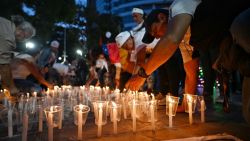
(162, 101)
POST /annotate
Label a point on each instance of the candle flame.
(113, 104)
(80, 106)
(34, 94)
(170, 100)
(189, 98)
(153, 97)
(100, 105)
(51, 109)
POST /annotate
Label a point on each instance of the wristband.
(142, 73)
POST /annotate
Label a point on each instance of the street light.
(79, 52)
(59, 58)
(29, 45)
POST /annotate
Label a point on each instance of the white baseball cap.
(137, 10)
(54, 44)
(121, 38)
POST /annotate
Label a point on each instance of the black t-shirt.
(212, 19)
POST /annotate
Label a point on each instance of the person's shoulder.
(2, 19)
(183, 6)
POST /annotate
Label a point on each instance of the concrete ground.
(217, 122)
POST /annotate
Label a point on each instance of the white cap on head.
(137, 10)
(54, 44)
(121, 38)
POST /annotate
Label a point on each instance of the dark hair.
(153, 17)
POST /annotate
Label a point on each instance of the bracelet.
(142, 73)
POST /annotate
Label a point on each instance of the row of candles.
(137, 104)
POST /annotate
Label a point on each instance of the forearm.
(118, 73)
(168, 44)
(161, 53)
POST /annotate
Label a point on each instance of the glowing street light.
(79, 52)
(30, 45)
(59, 58)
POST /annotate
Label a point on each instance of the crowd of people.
(165, 49)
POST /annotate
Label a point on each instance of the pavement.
(217, 122)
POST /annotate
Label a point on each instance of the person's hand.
(135, 82)
(50, 86)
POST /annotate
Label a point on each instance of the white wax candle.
(40, 124)
(10, 123)
(25, 126)
(152, 113)
(190, 112)
(99, 133)
(80, 122)
(115, 119)
(34, 103)
(60, 120)
(62, 109)
(170, 114)
(202, 111)
(5, 101)
(124, 108)
(50, 123)
(134, 116)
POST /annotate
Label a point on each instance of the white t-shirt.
(183, 6)
(139, 44)
(20, 71)
(61, 68)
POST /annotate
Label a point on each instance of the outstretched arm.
(165, 48)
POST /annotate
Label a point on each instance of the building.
(123, 8)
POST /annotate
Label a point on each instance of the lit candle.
(50, 123)
(124, 107)
(152, 111)
(99, 133)
(134, 115)
(62, 103)
(40, 124)
(80, 122)
(25, 126)
(60, 120)
(10, 124)
(5, 101)
(115, 118)
(170, 114)
(153, 97)
(20, 107)
(202, 111)
(34, 102)
(189, 98)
